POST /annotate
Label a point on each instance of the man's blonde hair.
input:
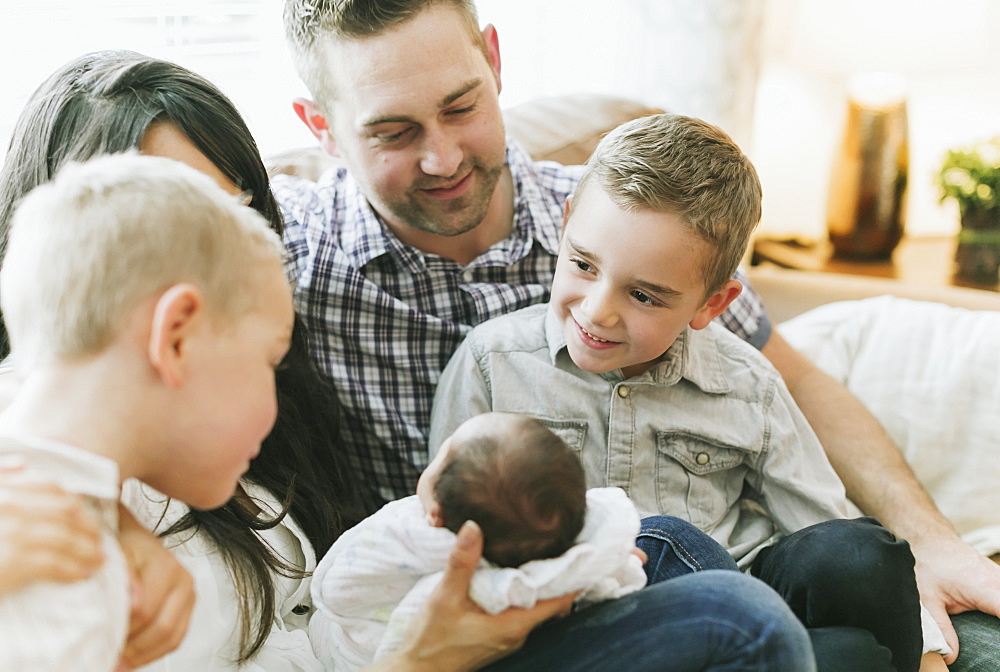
(88, 247)
(686, 167)
(313, 26)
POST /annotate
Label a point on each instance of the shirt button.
(622, 391)
(702, 458)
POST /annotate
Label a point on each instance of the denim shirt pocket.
(573, 432)
(700, 477)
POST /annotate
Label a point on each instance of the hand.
(953, 578)
(46, 534)
(452, 634)
(162, 595)
(641, 554)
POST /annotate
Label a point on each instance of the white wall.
(644, 49)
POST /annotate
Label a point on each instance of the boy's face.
(626, 284)
(229, 396)
(418, 122)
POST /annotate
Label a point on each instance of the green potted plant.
(971, 176)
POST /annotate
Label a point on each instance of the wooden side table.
(928, 261)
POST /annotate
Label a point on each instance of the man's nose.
(441, 154)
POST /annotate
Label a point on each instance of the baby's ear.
(176, 318)
(434, 516)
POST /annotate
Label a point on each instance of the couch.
(925, 360)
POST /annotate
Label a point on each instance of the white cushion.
(930, 373)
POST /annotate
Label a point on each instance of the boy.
(147, 311)
(690, 421)
(525, 488)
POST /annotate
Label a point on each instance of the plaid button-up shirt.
(384, 318)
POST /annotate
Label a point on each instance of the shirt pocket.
(698, 478)
(573, 432)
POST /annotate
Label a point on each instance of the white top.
(69, 626)
(373, 580)
(212, 641)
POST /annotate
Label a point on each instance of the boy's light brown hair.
(313, 26)
(521, 484)
(103, 236)
(683, 166)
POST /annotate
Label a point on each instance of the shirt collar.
(71, 468)
(367, 237)
(689, 357)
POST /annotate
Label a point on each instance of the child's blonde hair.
(87, 248)
(687, 167)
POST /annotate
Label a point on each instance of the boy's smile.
(626, 284)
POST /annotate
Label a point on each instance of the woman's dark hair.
(103, 103)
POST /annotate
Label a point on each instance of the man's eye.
(462, 110)
(386, 138)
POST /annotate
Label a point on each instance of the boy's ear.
(565, 215)
(314, 120)
(493, 51)
(716, 303)
(176, 317)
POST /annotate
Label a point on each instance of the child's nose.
(599, 307)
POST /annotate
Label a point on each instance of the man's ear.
(716, 303)
(314, 120)
(493, 51)
(176, 316)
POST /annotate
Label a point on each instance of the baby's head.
(516, 479)
(650, 241)
(147, 263)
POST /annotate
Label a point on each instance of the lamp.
(866, 206)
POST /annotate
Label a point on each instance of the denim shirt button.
(702, 458)
(622, 391)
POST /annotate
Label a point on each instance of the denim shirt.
(709, 434)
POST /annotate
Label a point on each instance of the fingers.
(153, 635)
(947, 629)
(163, 595)
(463, 560)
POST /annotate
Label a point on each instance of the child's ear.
(716, 303)
(176, 317)
(314, 120)
(434, 516)
(565, 215)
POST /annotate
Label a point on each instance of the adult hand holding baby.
(453, 633)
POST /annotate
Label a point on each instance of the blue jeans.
(978, 642)
(688, 620)
(852, 584)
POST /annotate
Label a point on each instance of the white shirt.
(374, 579)
(65, 627)
(212, 640)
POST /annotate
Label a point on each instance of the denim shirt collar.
(685, 359)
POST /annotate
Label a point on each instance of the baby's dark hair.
(521, 484)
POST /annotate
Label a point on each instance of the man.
(436, 225)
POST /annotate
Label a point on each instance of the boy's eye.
(642, 298)
(582, 265)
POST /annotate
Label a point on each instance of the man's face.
(417, 120)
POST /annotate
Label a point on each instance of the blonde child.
(148, 311)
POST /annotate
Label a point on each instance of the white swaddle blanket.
(375, 578)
